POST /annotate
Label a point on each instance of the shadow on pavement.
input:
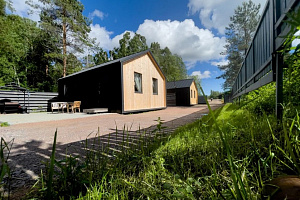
(30, 158)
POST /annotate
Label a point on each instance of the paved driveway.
(32, 134)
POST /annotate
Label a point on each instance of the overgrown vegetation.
(4, 124)
(5, 149)
(195, 162)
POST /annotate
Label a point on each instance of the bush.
(261, 100)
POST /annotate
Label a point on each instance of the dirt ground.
(32, 141)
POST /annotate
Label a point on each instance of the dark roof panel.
(179, 84)
(121, 60)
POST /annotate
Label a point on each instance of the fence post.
(279, 85)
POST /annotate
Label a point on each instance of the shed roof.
(121, 60)
(179, 84)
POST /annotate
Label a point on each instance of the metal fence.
(34, 101)
(259, 66)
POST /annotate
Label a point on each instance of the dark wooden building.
(131, 84)
(182, 93)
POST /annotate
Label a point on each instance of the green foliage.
(64, 21)
(261, 101)
(239, 35)
(214, 94)
(198, 83)
(4, 124)
(196, 163)
(100, 57)
(291, 58)
(3, 5)
(30, 55)
(229, 154)
(4, 167)
(172, 65)
(129, 46)
(16, 36)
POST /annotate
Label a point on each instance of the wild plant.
(5, 149)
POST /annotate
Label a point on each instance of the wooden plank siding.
(34, 101)
(146, 100)
(171, 99)
(194, 95)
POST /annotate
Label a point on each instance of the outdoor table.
(61, 105)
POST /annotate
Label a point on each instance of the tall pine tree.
(64, 21)
(239, 34)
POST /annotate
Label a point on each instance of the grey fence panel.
(34, 101)
(258, 65)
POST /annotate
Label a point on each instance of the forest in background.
(35, 55)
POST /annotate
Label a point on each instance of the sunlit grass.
(194, 162)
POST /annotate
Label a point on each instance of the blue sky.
(193, 29)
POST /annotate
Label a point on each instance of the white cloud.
(22, 9)
(190, 65)
(216, 13)
(220, 63)
(103, 37)
(185, 39)
(97, 13)
(296, 41)
(205, 74)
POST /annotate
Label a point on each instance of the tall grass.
(5, 148)
(229, 154)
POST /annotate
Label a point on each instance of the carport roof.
(121, 60)
(179, 84)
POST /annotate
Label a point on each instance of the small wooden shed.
(131, 84)
(182, 93)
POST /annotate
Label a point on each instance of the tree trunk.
(47, 70)
(64, 48)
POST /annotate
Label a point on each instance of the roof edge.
(121, 60)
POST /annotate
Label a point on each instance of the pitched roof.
(121, 60)
(179, 84)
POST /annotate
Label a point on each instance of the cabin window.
(191, 93)
(138, 82)
(65, 89)
(194, 93)
(154, 86)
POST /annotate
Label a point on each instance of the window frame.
(141, 82)
(154, 86)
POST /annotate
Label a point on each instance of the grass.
(229, 155)
(4, 124)
(5, 148)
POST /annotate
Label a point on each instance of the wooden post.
(279, 85)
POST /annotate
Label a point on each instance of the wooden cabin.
(182, 93)
(131, 84)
